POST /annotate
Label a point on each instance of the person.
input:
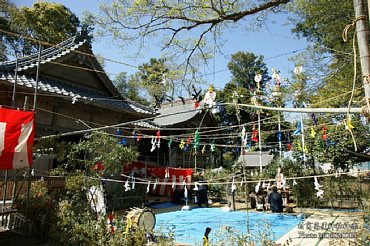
(178, 196)
(252, 199)
(260, 199)
(230, 193)
(276, 201)
(202, 193)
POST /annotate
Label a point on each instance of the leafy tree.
(136, 21)
(315, 21)
(51, 23)
(243, 67)
(129, 88)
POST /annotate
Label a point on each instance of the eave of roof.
(72, 93)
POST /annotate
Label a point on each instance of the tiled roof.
(47, 55)
(176, 114)
(147, 124)
(74, 93)
(65, 89)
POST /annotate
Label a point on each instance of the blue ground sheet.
(189, 226)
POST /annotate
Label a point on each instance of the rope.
(344, 36)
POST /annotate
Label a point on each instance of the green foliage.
(129, 88)
(39, 207)
(48, 22)
(100, 147)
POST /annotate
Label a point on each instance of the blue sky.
(275, 43)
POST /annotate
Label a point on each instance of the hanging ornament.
(170, 142)
(294, 182)
(243, 133)
(313, 117)
(173, 185)
(324, 136)
(196, 140)
(155, 184)
(242, 182)
(257, 187)
(123, 141)
(133, 183)
(134, 135)
(289, 146)
(127, 186)
(209, 98)
(213, 148)
(182, 144)
(305, 149)
(280, 136)
(313, 132)
(279, 178)
(196, 186)
(139, 136)
(298, 70)
(186, 192)
(158, 135)
(245, 140)
(148, 187)
(299, 146)
(154, 144)
(233, 186)
(349, 125)
(299, 128)
(254, 134)
(319, 192)
(118, 133)
(204, 149)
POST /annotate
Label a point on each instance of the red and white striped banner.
(16, 138)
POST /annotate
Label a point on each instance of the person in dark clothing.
(276, 201)
(202, 193)
(252, 199)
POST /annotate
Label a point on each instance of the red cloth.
(16, 138)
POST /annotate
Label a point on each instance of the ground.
(305, 234)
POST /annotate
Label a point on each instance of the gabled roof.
(27, 64)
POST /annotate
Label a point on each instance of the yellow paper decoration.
(182, 144)
(204, 149)
(313, 132)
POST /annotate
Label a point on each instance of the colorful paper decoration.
(133, 183)
(324, 136)
(123, 141)
(313, 117)
(299, 146)
(313, 132)
(210, 97)
(204, 149)
(299, 128)
(289, 146)
(279, 178)
(170, 143)
(154, 144)
(182, 144)
(279, 136)
(254, 134)
(213, 148)
(196, 140)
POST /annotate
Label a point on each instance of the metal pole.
(302, 134)
(15, 82)
(259, 141)
(279, 129)
(362, 33)
(37, 78)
